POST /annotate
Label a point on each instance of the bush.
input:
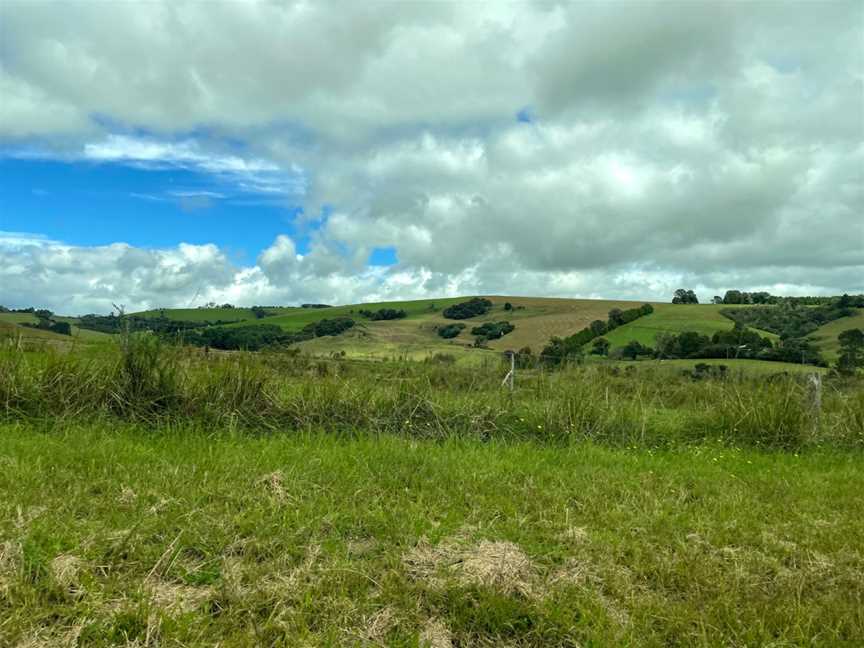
(493, 330)
(383, 314)
(471, 308)
(450, 330)
(329, 327)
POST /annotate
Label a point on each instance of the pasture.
(153, 494)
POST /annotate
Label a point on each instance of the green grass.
(207, 314)
(10, 326)
(675, 318)
(741, 366)
(825, 337)
(300, 317)
(180, 538)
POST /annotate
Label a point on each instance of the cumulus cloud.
(715, 145)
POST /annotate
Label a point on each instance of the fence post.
(508, 379)
(814, 384)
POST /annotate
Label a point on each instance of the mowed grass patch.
(124, 535)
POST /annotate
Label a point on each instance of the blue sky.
(87, 203)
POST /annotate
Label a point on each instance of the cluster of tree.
(471, 308)
(851, 351)
(741, 297)
(162, 325)
(315, 306)
(789, 320)
(333, 326)
(260, 312)
(211, 305)
(38, 312)
(260, 336)
(683, 296)
(47, 323)
(560, 349)
(450, 330)
(383, 314)
(740, 342)
(492, 330)
(251, 338)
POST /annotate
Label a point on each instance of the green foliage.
(851, 350)
(559, 349)
(383, 314)
(683, 296)
(467, 309)
(332, 326)
(787, 320)
(633, 350)
(450, 330)
(600, 346)
(493, 330)
(45, 323)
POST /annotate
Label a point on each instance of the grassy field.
(129, 536)
(155, 495)
(675, 318)
(735, 367)
(210, 314)
(826, 336)
(10, 327)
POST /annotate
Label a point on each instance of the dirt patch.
(436, 635)
(10, 562)
(500, 565)
(127, 496)
(379, 624)
(176, 597)
(66, 571)
(274, 485)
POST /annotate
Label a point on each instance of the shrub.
(471, 308)
(493, 330)
(450, 330)
(383, 314)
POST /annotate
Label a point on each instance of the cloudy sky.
(276, 153)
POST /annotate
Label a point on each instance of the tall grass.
(147, 381)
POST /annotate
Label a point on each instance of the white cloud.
(713, 144)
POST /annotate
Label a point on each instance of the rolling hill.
(536, 320)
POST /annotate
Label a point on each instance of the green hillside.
(536, 320)
(675, 318)
(10, 325)
(826, 336)
(209, 314)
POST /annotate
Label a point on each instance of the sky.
(179, 153)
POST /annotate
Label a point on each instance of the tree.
(683, 296)
(508, 306)
(600, 347)
(616, 318)
(598, 327)
(733, 297)
(634, 349)
(717, 299)
(851, 350)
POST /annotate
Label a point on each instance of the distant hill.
(536, 319)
